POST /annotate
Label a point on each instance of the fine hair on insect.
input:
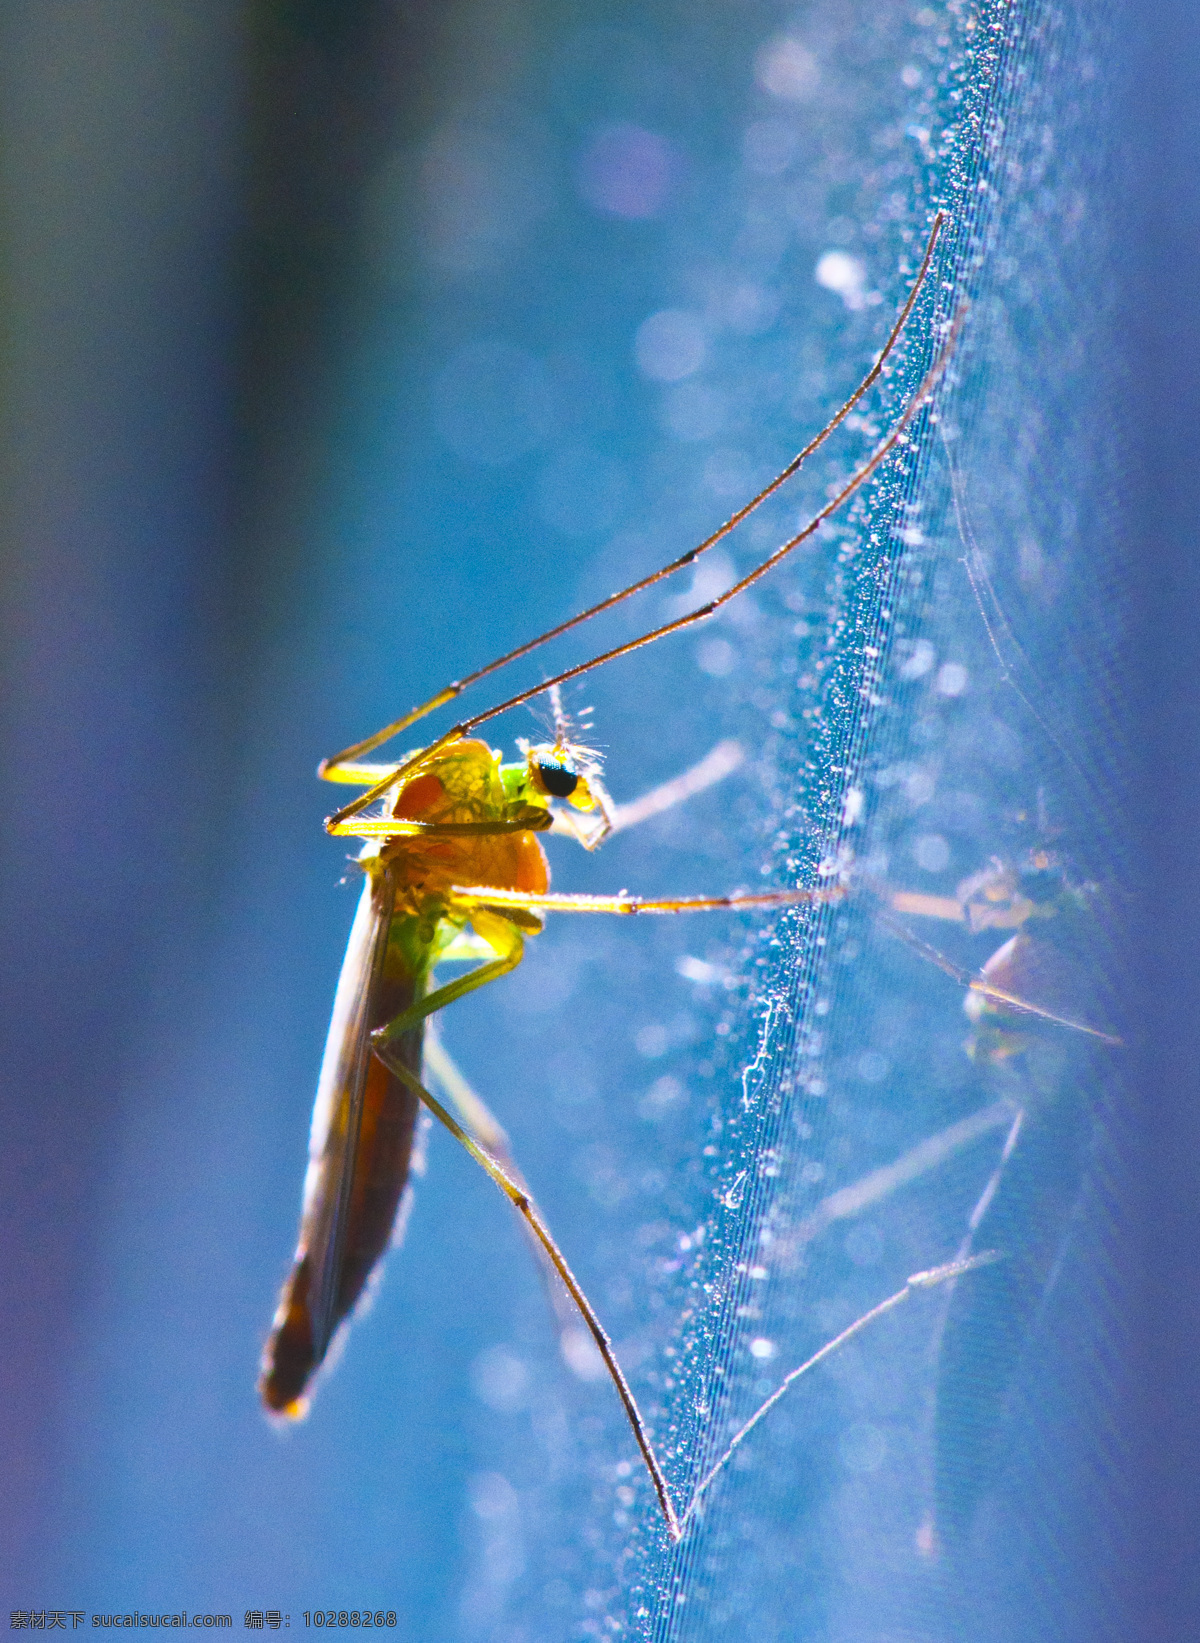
(454, 872)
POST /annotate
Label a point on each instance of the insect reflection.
(1044, 1057)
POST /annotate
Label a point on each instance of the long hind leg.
(477, 1118)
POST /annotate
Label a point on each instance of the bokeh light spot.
(931, 853)
(500, 1379)
(952, 679)
(716, 657)
(627, 171)
(670, 345)
(664, 1096)
(838, 271)
(786, 68)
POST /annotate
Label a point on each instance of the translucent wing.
(360, 1154)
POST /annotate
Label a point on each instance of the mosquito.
(454, 870)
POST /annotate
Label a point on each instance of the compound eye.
(556, 780)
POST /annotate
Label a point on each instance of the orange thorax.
(461, 785)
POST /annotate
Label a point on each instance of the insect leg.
(859, 478)
(719, 762)
(481, 1123)
(481, 895)
(456, 688)
(472, 1109)
(512, 1185)
(879, 1184)
(343, 768)
(505, 939)
(919, 1280)
(984, 989)
(358, 775)
(722, 761)
(519, 1197)
(897, 436)
(1006, 647)
(526, 819)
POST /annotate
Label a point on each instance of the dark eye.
(559, 782)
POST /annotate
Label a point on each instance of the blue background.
(326, 378)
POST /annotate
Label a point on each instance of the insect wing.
(338, 1109)
(307, 1314)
